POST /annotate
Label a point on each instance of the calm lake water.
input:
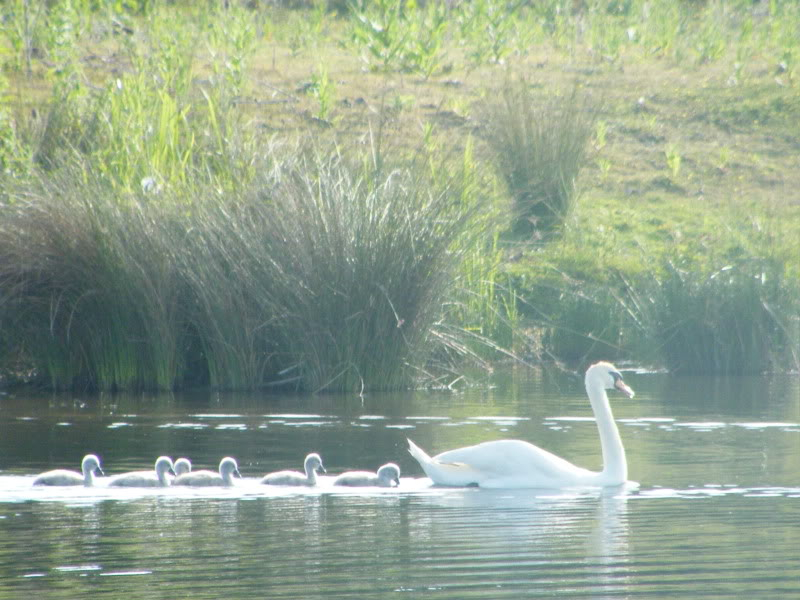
(716, 513)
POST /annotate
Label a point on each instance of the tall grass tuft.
(89, 295)
(360, 263)
(222, 260)
(735, 320)
(734, 312)
(581, 312)
(323, 271)
(538, 147)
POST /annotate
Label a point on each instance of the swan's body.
(89, 465)
(518, 464)
(155, 478)
(182, 466)
(312, 463)
(227, 469)
(385, 477)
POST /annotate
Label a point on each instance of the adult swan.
(518, 464)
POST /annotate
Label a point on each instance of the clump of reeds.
(539, 146)
(735, 320)
(580, 314)
(323, 268)
(732, 309)
(360, 261)
(89, 294)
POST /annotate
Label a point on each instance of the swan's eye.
(616, 376)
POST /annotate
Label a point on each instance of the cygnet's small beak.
(322, 467)
(396, 480)
(236, 472)
(622, 387)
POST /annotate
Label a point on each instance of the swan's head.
(313, 462)
(228, 467)
(608, 376)
(90, 464)
(182, 465)
(389, 472)
(164, 465)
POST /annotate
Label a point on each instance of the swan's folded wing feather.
(454, 473)
(514, 459)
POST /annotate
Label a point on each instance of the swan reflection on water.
(532, 514)
(573, 537)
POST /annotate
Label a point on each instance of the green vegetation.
(350, 196)
(539, 152)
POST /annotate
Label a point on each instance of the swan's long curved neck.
(88, 477)
(311, 475)
(615, 465)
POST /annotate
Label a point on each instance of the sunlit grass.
(332, 270)
(539, 148)
(153, 151)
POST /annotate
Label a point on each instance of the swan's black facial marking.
(620, 385)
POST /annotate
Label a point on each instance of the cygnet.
(156, 478)
(182, 466)
(89, 465)
(227, 469)
(387, 475)
(312, 463)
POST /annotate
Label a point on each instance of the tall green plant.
(425, 52)
(380, 31)
(22, 26)
(487, 29)
(730, 321)
(538, 148)
(232, 36)
(15, 154)
(89, 290)
(361, 262)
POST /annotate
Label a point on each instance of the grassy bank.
(351, 196)
(319, 273)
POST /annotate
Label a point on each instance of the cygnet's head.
(313, 463)
(181, 466)
(610, 378)
(389, 472)
(90, 464)
(228, 467)
(164, 465)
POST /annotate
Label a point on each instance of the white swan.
(181, 466)
(89, 465)
(311, 464)
(227, 469)
(156, 478)
(386, 476)
(518, 464)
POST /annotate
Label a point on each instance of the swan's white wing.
(444, 473)
(498, 463)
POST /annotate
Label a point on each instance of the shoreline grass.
(153, 235)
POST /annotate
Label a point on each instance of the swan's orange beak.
(622, 387)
